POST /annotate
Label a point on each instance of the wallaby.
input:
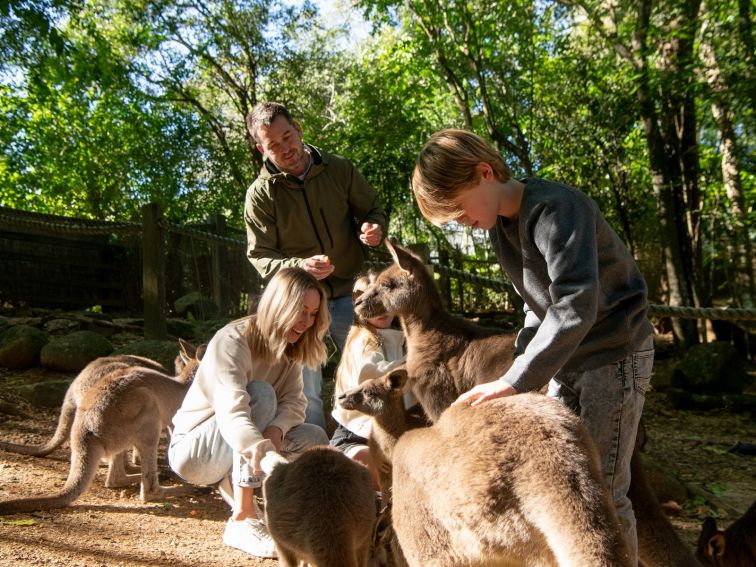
(733, 547)
(126, 408)
(516, 481)
(89, 375)
(446, 356)
(382, 399)
(319, 508)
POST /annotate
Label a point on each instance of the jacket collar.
(319, 159)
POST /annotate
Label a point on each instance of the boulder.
(197, 305)
(72, 352)
(164, 352)
(44, 394)
(710, 368)
(20, 346)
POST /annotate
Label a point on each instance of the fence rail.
(61, 261)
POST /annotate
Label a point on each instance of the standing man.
(313, 210)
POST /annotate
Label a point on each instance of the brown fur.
(447, 356)
(127, 407)
(526, 491)
(382, 399)
(319, 509)
(733, 547)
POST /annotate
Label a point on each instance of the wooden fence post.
(219, 263)
(153, 272)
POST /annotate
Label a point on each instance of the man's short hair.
(263, 114)
(446, 166)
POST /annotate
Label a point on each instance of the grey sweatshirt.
(586, 300)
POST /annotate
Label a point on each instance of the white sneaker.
(226, 490)
(251, 536)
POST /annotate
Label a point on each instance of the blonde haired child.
(586, 329)
(247, 399)
(373, 347)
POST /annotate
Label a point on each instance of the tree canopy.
(646, 106)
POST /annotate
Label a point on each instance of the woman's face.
(382, 321)
(306, 319)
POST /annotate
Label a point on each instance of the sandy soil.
(112, 527)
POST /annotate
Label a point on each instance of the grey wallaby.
(447, 356)
(127, 407)
(516, 481)
(733, 547)
(319, 508)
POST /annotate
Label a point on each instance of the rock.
(61, 326)
(710, 368)
(20, 346)
(164, 352)
(44, 394)
(195, 304)
(180, 328)
(205, 330)
(71, 353)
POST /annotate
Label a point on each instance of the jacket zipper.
(325, 224)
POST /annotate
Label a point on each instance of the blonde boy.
(586, 329)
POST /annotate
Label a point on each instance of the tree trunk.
(740, 248)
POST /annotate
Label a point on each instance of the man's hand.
(487, 391)
(275, 435)
(319, 266)
(371, 234)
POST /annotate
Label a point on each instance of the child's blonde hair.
(360, 330)
(279, 308)
(446, 166)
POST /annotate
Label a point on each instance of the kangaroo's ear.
(715, 547)
(397, 378)
(186, 349)
(200, 351)
(402, 257)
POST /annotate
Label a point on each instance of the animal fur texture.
(447, 356)
(319, 508)
(513, 482)
(733, 547)
(128, 406)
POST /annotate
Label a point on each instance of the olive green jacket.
(289, 220)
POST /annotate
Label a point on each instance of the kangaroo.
(319, 509)
(526, 491)
(90, 375)
(733, 547)
(127, 407)
(382, 399)
(447, 356)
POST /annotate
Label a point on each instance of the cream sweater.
(370, 364)
(219, 389)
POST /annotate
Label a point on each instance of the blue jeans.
(610, 401)
(203, 457)
(341, 319)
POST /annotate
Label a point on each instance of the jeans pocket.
(643, 364)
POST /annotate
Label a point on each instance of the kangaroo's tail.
(85, 458)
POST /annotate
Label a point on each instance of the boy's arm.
(566, 238)
(528, 331)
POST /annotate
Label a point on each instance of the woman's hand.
(275, 435)
(487, 391)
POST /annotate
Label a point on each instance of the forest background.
(647, 106)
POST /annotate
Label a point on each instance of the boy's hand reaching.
(488, 391)
(371, 234)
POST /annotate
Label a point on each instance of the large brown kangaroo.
(127, 407)
(513, 482)
(447, 356)
(319, 508)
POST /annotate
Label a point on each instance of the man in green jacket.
(313, 210)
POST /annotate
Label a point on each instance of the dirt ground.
(112, 527)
